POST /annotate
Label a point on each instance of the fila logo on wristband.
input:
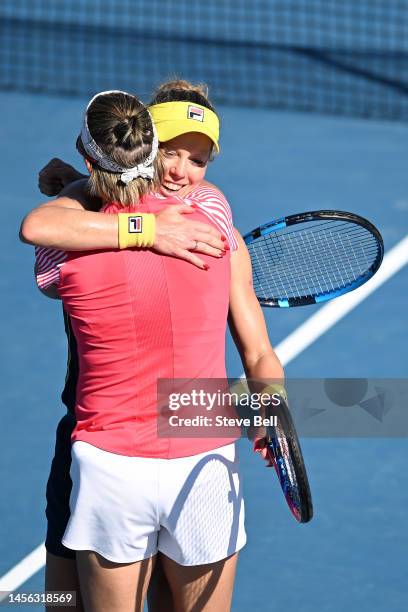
(135, 225)
(193, 112)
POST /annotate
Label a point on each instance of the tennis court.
(353, 554)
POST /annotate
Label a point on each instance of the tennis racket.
(312, 257)
(285, 455)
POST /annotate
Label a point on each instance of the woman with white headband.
(183, 565)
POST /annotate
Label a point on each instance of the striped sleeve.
(214, 205)
(48, 264)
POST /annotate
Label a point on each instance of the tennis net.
(347, 57)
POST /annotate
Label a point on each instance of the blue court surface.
(353, 555)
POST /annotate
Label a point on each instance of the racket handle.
(276, 389)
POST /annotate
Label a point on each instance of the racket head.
(285, 455)
(312, 257)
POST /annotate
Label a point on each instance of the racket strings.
(312, 260)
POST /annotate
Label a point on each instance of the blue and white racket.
(312, 257)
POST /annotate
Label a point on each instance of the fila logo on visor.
(135, 225)
(196, 113)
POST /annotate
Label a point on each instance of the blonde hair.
(121, 126)
(179, 90)
(107, 186)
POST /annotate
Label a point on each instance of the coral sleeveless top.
(139, 316)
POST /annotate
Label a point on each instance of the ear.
(88, 165)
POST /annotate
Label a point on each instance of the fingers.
(193, 259)
(55, 161)
(53, 177)
(49, 181)
(209, 235)
(210, 244)
(174, 230)
(50, 187)
(202, 232)
(257, 434)
(53, 166)
(260, 446)
(200, 246)
(184, 238)
(184, 209)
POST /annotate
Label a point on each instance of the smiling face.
(185, 161)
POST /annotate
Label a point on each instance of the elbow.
(264, 364)
(273, 365)
(29, 230)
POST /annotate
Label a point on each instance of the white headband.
(145, 169)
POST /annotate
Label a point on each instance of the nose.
(177, 168)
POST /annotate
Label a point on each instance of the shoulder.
(207, 192)
(210, 200)
(76, 195)
(207, 196)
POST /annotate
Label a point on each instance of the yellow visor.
(175, 118)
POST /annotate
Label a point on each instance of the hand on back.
(56, 175)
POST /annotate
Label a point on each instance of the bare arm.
(247, 323)
(67, 223)
(248, 328)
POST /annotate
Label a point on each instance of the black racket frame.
(304, 513)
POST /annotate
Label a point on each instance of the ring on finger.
(195, 246)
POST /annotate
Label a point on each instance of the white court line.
(333, 311)
(288, 349)
(21, 572)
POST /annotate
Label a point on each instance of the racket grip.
(276, 389)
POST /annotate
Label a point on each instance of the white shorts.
(128, 508)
